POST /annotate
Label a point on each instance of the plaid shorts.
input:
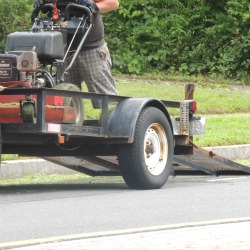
(94, 68)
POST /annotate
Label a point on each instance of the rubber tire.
(28, 112)
(132, 160)
(73, 102)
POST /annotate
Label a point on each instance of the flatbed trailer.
(139, 131)
(42, 116)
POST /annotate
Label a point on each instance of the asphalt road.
(35, 211)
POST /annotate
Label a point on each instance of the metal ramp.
(206, 162)
(90, 165)
(202, 162)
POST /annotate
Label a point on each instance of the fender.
(124, 117)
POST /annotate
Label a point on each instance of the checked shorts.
(94, 68)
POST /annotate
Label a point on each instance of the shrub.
(192, 37)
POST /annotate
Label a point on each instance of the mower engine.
(39, 58)
(17, 70)
(23, 52)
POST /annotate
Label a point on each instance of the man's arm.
(106, 5)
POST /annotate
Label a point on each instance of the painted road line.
(227, 179)
(120, 232)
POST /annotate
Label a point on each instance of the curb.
(20, 168)
(235, 152)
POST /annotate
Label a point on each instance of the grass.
(225, 104)
(211, 98)
(33, 179)
(225, 130)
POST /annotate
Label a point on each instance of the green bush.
(14, 16)
(207, 37)
(191, 37)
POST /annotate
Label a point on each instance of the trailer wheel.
(73, 102)
(147, 162)
(28, 112)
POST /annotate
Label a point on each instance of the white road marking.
(227, 179)
(120, 232)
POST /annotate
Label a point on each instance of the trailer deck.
(91, 147)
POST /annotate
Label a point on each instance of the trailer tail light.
(192, 107)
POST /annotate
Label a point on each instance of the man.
(93, 64)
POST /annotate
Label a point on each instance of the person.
(93, 63)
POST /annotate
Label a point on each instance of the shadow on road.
(39, 188)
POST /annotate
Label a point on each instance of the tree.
(14, 15)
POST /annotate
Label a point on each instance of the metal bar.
(189, 95)
(184, 118)
(1, 145)
(40, 117)
(189, 91)
(104, 115)
(171, 104)
(57, 92)
(77, 50)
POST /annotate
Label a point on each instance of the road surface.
(44, 211)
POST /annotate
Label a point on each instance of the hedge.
(207, 37)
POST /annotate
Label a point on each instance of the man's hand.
(88, 4)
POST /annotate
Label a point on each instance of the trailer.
(42, 116)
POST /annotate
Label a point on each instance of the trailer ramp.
(206, 162)
(90, 165)
(202, 162)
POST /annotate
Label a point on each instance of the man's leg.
(73, 76)
(96, 71)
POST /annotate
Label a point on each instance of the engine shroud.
(49, 45)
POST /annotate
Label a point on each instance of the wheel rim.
(155, 149)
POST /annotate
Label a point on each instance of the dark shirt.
(95, 38)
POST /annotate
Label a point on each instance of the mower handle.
(73, 6)
(45, 8)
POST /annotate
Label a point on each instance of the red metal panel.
(10, 114)
(50, 100)
(53, 114)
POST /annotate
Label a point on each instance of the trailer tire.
(73, 102)
(147, 162)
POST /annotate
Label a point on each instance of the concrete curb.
(20, 168)
(235, 152)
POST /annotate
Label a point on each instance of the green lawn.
(211, 98)
(226, 105)
(225, 130)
